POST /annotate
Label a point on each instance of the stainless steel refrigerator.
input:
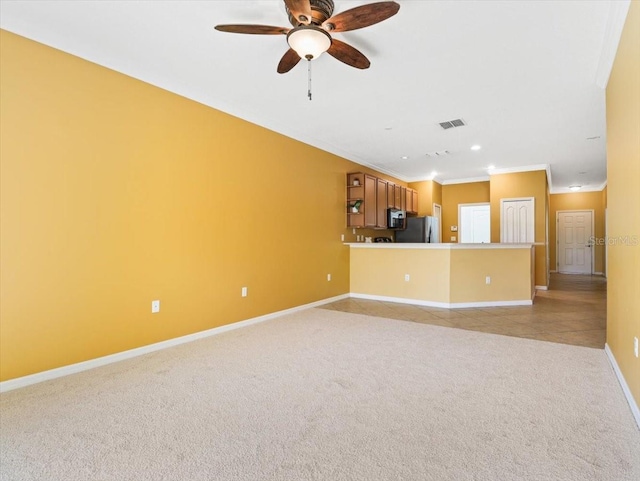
(419, 229)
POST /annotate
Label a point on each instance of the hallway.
(572, 311)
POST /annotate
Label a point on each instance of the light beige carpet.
(325, 395)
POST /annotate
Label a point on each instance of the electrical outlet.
(342, 237)
(454, 228)
(328, 277)
(407, 277)
(244, 292)
(354, 231)
(635, 346)
(453, 238)
(487, 280)
(155, 307)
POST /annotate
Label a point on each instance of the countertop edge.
(444, 246)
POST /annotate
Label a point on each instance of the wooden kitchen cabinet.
(391, 196)
(409, 200)
(369, 197)
(397, 193)
(370, 194)
(361, 200)
(381, 203)
(355, 199)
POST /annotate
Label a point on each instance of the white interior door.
(475, 223)
(517, 221)
(575, 229)
(437, 212)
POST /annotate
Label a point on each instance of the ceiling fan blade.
(253, 29)
(362, 16)
(347, 54)
(289, 60)
(300, 9)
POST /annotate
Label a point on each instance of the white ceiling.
(522, 75)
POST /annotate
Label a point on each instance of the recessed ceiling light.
(476, 147)
(575, 188)
(491, 167)
(404, 157)
(388, 128)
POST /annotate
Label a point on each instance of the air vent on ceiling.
(438, 153)
(452, 123)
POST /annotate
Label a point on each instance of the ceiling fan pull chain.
(309, 72)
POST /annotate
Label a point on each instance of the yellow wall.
(437, 194)
(509, 269)
(578, 201)
(428, 271)
(429, 193)
(623, 201)
(425, 196)
(442, 275)
(115, 193)
(523, 184)
(455, 194)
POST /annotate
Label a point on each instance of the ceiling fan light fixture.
(309, 41)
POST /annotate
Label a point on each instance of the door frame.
(593, 230)
(435, 204)
(516, 199)
(469, 204)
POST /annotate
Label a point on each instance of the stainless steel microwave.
(396, 219)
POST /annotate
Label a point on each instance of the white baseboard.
(542, 288)
(445, 305)
(553, 272)
(598, 273)
(139, 351)
(623, 383)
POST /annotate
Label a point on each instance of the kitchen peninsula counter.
(443, 275)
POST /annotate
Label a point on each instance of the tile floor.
(572, 311)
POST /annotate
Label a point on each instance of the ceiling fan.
(313, 24)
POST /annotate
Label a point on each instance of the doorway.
(437, 212)
(475, 223)
(575, 249)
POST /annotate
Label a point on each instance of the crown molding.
(468, 180)
(524, 168)
(566, 190)
(527, 168)
(618, 10)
